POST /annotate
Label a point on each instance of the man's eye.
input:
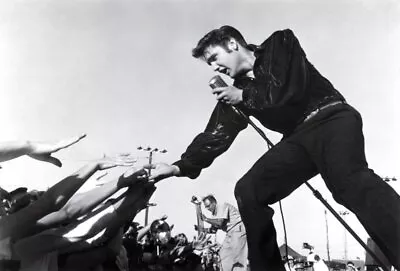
(212, 59)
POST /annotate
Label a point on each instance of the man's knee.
(244, 191)
(247, 192)
(354, 185)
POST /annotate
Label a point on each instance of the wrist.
(88, 170)
(176, 170)
(27, 146)
(240, 95)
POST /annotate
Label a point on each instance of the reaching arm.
(81, 204)
(17, 224)
(216, 222)
(98, 227)
(36, 150)
(135, 200)
(20, 223)
(222, 128)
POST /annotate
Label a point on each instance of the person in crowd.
(166, 253)
(226, 217)
(350, 266)
(316, 262)
(275, 83)
(132, 242)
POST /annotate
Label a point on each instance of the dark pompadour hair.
(219, 36)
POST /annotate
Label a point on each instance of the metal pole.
(343, 214)
(146, 214)
(151, 151)
(324, 202)
(327, 236)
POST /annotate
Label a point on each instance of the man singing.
(322, 134)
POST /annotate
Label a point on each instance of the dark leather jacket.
(285, 89)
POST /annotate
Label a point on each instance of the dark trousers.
(331, 144)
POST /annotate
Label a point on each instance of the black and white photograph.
(200, 135)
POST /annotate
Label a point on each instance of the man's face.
(163, 237)
(210, 206)
(223, 60)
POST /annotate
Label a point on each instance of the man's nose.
(214, 66)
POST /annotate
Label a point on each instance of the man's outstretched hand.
(161, 171)
(43, 151)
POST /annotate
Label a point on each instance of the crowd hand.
(43, 151)
(200, 242)
(161, 171)
(132, 176)
(119, 160)
(229, 95)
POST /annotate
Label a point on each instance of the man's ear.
(233, 45)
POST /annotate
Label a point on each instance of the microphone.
(217, 82)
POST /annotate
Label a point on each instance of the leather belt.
(316, 111)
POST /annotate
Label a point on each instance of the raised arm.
(81, 204)
(20, 223)
(98, 227)
(143, 231)
(215, 222)
(36, 150)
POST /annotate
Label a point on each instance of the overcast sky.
(122, 72)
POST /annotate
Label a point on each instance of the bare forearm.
(216, 222)
(60, 193)
(18, 224)
(80, 204)
(13, 149)
(142, 232)
(134, 201)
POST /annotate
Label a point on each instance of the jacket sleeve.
(222, 128)
(283, 66)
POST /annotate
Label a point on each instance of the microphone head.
(216, 82)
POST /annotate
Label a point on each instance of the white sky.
(122, 72)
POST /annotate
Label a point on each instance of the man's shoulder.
(283, 34)
(229, 206)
